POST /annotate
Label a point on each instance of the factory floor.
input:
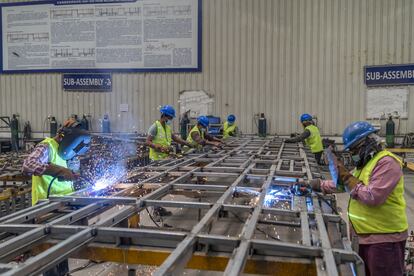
(87, 268)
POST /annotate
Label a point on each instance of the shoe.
(162, 212)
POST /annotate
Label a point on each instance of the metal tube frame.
(263, 159)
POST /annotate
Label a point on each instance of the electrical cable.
(320, 196)
(88, 265)
(50, 186)
(257, 228)
(151, 217)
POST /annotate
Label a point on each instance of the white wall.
(280, 57)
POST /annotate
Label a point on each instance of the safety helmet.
(231, 118)
(203, 121)
(305, 117)
(356, 131)
(168, 110)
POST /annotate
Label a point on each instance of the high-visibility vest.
(389, 217)
(227, 129)
(314, 141)
(190, 138)
(40, 184)
(163, 138)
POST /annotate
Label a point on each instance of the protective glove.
(67, 175)
(346, 178)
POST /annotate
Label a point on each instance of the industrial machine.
(233, 210)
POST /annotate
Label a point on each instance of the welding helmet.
(168, 110)
(355, 132)
(231, 118)
(75, 141)
(305, 117)
(203, 121)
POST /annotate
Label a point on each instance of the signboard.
(87, 82)
(101, 35)
(389, 75)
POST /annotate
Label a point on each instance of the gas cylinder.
(53, 126)
(14, 127)
(262, 125)
(84, 123)
(106, 125)
(390, 132)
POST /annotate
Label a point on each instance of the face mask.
(169, 122)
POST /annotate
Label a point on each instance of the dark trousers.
(60, 270)
(318, 156)
(383, 258)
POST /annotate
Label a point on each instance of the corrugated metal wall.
(280, 57)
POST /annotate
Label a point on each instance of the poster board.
(382, 101)
(101, 35)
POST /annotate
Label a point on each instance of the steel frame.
(63, 227)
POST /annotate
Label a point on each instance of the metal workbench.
(222, 218)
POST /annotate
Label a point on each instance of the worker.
(48, 163)
(229, 127)
(198, 136)
(310, 136)
(160, 136)
(377, 206)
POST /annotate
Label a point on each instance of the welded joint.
(47, 229)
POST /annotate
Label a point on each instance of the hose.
(50, 186)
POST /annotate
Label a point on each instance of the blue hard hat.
(168, 110)
(203, 120)
(305, 117)
(355, 132)
(231, 118)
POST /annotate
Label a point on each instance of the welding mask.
(75, 142)
(363, 153)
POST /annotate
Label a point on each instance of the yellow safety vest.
(314, 141)
(389, 217)
(227, 129)
(190, 138)
(41, 183)
(163, 138)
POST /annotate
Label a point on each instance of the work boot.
(162, 212)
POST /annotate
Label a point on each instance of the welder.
(48, 165)
(160, 135)
(198, 136)
(230, 129)
(376, 208)
(311, 136)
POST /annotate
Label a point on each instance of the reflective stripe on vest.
(227, 129)
(40, 184)
(163, 138)
(314, 141)
(190, 138)
(389, 217)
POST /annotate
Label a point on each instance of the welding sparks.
(110, 177)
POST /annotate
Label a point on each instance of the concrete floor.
(120, 269)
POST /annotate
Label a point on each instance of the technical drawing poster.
(141, 35)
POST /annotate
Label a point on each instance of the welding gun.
(301, 189)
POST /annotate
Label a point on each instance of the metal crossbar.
(232, 211)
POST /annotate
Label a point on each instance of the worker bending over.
(229, 127)
(48, 162)
(48, 165)
(310, 136)
(198, 136)
(377, 206)
(160, 136)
